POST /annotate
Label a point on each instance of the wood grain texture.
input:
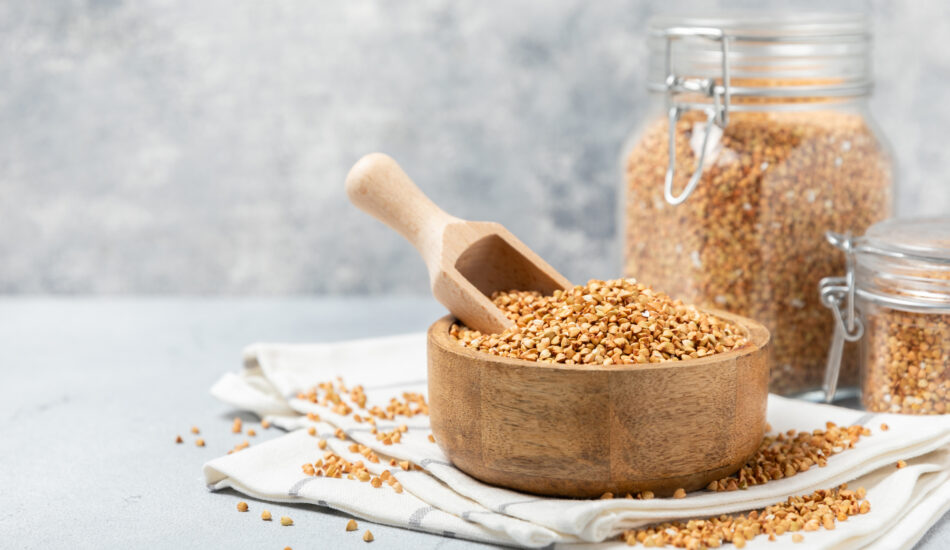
(467, 261)
(583, 430)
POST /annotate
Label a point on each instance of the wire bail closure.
(837, 294)
(717, 113)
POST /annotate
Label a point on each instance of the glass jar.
(895, 302)
(772, 145)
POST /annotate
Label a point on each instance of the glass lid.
(925, 237)
(905, 261)
(766, 54)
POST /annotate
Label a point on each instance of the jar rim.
(766, 54)
(927, 239)
(771, 25)
(905, 262)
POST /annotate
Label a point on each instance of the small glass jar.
(757, 141)
(895, 301)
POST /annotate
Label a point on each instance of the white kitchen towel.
(442, 499)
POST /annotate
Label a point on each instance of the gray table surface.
(94, 391)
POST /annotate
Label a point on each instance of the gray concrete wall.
(201, 146)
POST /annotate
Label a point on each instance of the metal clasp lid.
(717, 113)
(837, 294)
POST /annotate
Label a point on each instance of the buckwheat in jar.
(772, 145)
(895, 302)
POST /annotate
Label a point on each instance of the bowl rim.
(759, 337)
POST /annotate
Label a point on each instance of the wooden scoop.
(467, 261)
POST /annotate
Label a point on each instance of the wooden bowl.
(584, 430)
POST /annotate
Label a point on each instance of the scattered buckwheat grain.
(242, 506)
(236, 425)
(265, 515)
(680, 493)
(286, 521)
(200, 442)
(789, 453)
(330, 394)
(367, 536)
(178, 439)
(351, 525)
(820, 509)
(901, 464)
(195, 430)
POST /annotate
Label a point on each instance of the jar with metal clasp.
(894, 301)
(758, 139)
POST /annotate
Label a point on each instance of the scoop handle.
(378, 185)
